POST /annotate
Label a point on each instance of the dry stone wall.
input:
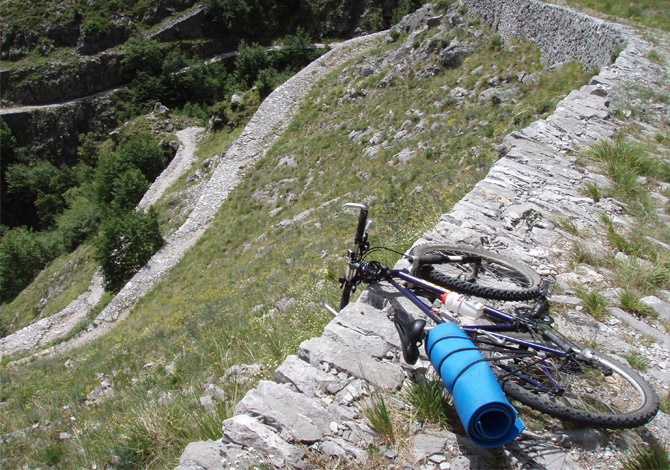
(312, 407)
(562, 34)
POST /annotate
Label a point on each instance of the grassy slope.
(214, 308)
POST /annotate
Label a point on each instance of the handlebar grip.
(435, 258)
(360, 228)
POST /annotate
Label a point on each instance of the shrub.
(297, 50)
(7, 141)
(230, 15)
(144, 54)
(126, 243)
(654, 457)
(129, 188)
(266, 81)
(403, 8)
(249, 62)
(78, 222)
(114, 185)
(23, 253)
(144, 153)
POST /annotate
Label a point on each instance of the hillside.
(381, 129)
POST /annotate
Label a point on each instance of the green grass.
(384, 419)
(593, 301)
(209, 312)
(568, 225)
(651, 457)
(647, 12)
(637, 360)
(61, 282)
(591, 190)
(665, 404)
(430, 401)
(631, 301)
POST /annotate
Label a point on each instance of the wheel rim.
(573, 391)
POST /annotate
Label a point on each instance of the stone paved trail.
(313, 406)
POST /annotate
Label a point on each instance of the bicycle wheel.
(595, 391)
(491, 277)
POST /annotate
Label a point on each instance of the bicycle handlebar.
(362, 219)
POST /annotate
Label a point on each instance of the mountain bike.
(533, 362)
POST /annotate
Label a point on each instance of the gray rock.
(641, 326)
(371, 345)
(207, 403)
(454, 53)
(161, 109)
(494, 95)
(434, 21)
(215, 392)
(463, 462)
(206, 455)
(307, 379)
(588, 439)
(251, 434)
(661, 307)
(426, 445)
(284, 304)
(302, 417)
(380, 375)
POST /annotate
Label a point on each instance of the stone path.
(179, 165)
(311, 411)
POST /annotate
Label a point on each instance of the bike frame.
(509, 323)
(493, 330)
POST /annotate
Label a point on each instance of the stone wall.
(312, 403)
(561, 34)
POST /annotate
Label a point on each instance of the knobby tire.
(592, 396)
(496, 277)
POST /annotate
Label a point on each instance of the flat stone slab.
(307, 379)
(380, 375)
(304, 418)
(248, 432)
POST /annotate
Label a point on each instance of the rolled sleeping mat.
(488, 417)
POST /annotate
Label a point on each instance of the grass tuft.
(637, 360)
(631, 301)
(383, 419)
(593, 301)
(665, 404)
(568, 225)
(430, 399)
(591, 190)
(653, 457)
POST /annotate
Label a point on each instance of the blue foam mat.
(488, 417)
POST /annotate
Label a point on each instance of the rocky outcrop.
(187, 26)
(73, 31)
(57, 82)
(311, 410)
(54, 131)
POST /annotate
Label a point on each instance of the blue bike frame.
(491, 329)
